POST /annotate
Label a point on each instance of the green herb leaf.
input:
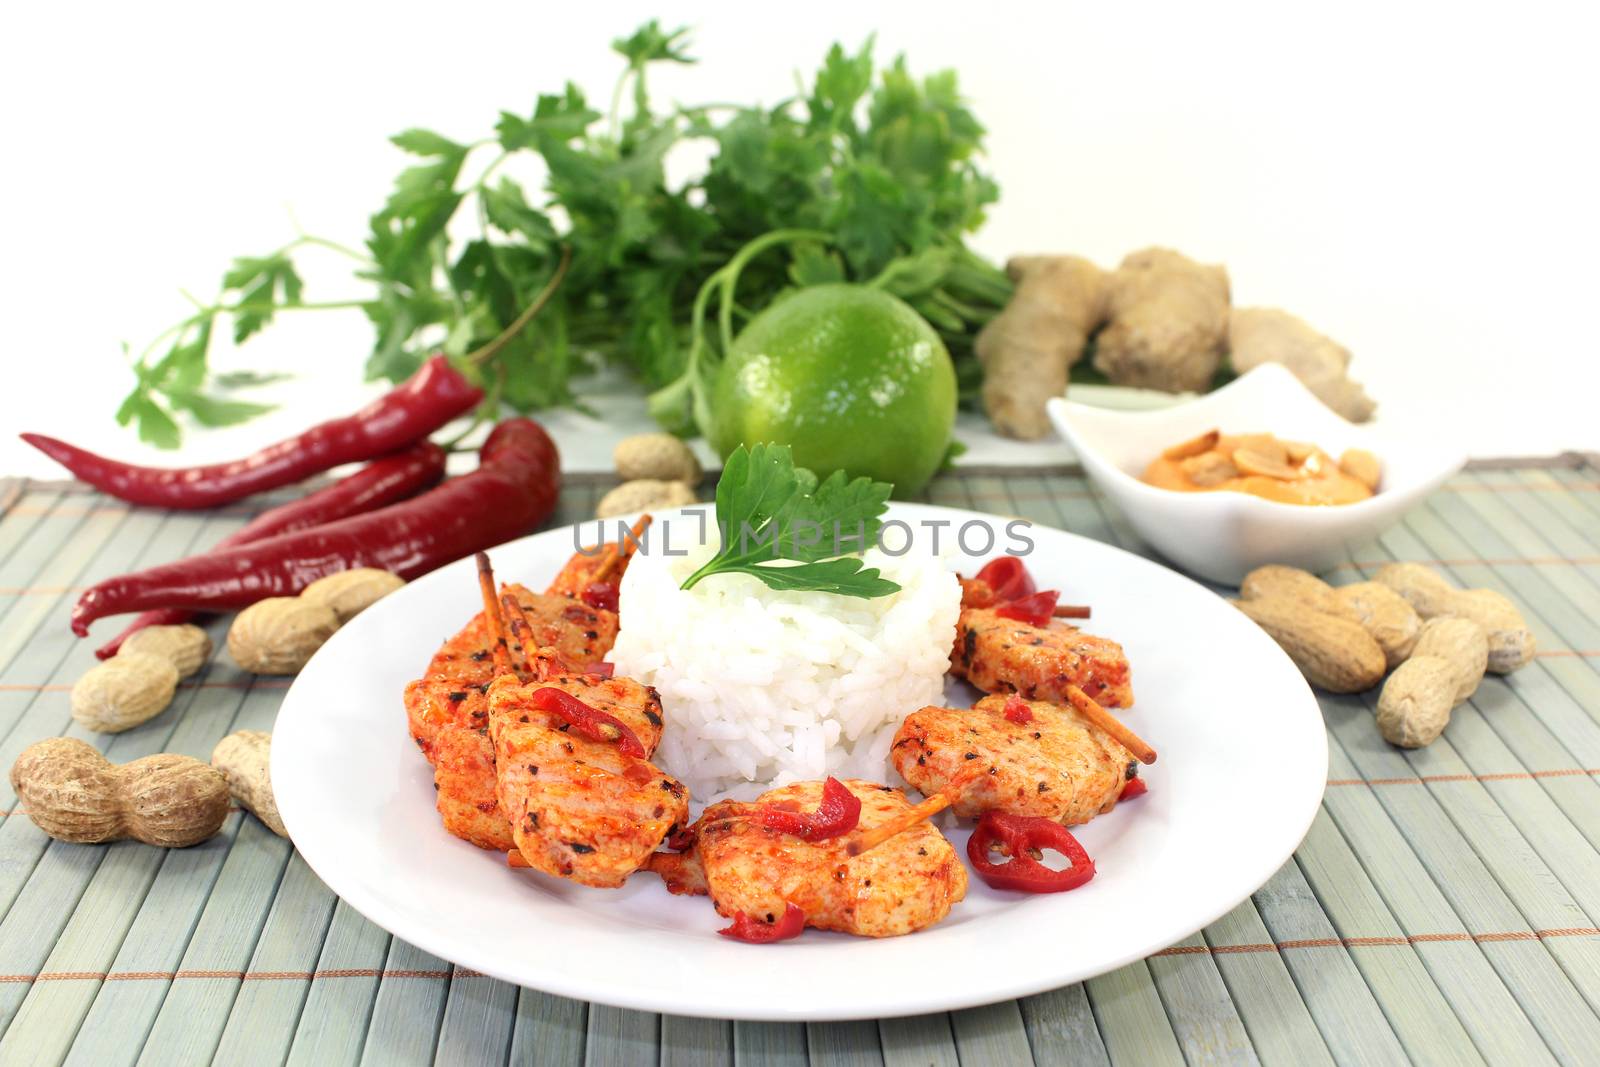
(155, 425)
(769, 512)
(426, 143)
(215, 411)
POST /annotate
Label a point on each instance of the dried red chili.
(600, 595)
(836, 814)
(756, 932)
(1134, 788)
(421, 404)
(1016, 710)
(1020, 837)
(382, 482)
(590, 722)
(1007, 578)
(513, 490)
(1035, 609)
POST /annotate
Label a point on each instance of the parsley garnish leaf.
(769, 510)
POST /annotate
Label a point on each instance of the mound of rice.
(762, 687)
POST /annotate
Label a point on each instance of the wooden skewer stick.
(1099, 716)
(522, 632)
(899, 824)
(621, 550)
(491, 613)
(1072, 611)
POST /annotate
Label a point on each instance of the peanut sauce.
(1289, 472)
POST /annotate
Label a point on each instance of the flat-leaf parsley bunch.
(529, 287)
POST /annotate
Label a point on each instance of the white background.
(1419, 182)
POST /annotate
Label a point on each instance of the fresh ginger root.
(1028, 348)
(1166, 322)
(1267, 335)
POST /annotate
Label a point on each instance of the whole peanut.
(1332, 651)
(73, 793)
(1444, 669)
(1511, 642)
(245, 758)
(1388, 617)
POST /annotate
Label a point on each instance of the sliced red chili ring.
(756, 932)
(1007, 577)
(590, 722)
(601, 595)
(1134, 788)
(1020, 836)
(837, 814)
(1016, 710)
(1035, 609)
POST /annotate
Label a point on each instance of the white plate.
(1224, 536)
(1243, 760)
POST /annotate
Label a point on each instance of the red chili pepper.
(420, 405)
(381, 482)
(590, 722)
(513, 490)
(1035, 609)
(601, 595)
(1134, 788)
(1016, 710)
(1021, 836)
(836, 814)
(1007, 577)
(757, 932)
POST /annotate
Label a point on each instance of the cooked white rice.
(762, 687)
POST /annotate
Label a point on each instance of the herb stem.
(489, 350)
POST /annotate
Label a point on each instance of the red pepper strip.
(601, 595)
(586, 720)
(1008, 577)
(1134, 788)
(836, 814)
(513, 490)
(757, 932)
(426, 401)
(600, 669)
(1035, 609)
(381, 482)
(1016, 710)
(1019, 834)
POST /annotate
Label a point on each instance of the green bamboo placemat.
(1443, 908)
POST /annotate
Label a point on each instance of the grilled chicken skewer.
(907, 883)
(581, 805)
(447, 709)
(1021, 757)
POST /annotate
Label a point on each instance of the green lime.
(850, 378)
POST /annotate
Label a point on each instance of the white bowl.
(1225, 535)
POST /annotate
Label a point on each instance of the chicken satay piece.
(905, 884)
(1040, 760)
(581, 808)
(599, 564)
(448, 709)
(574, 633)
(1000, 655)
(635, 705)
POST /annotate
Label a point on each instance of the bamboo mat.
(1442, 909)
